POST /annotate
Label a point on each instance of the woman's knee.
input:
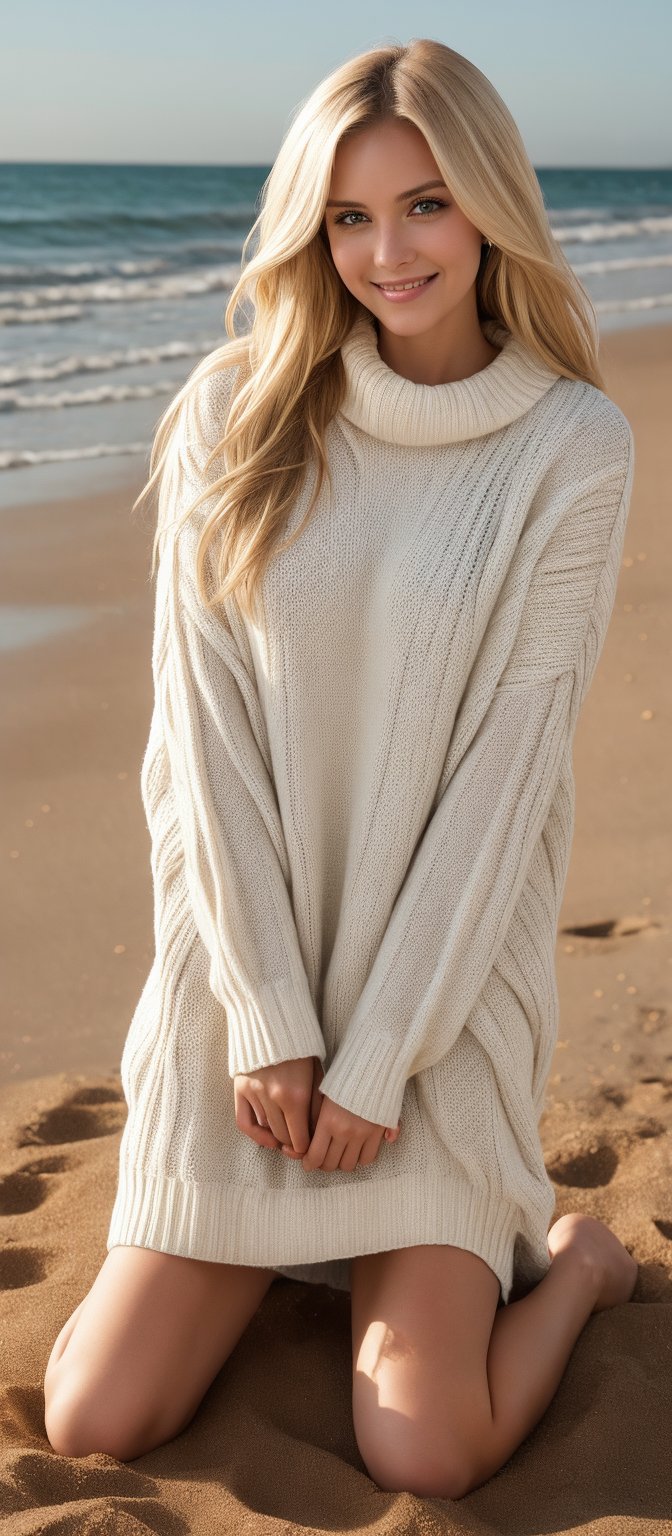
(93, 1400)
(132, 1363)
(405, 1449)
(408, 1464)
(429, 1448)
(99, 1405)
(78, 1423)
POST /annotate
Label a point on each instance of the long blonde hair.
(289, 377)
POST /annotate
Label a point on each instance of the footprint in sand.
(643, 1098)
(25, 1189)
(21, 1266)
(88, 1112)
(595, 1166)
(612, 927)
(591, 1169)
(664, 1227)
(48, 1165)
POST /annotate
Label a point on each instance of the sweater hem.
(236, 1224)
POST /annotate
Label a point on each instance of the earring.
(487, 244)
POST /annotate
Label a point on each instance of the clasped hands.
(282, 1107)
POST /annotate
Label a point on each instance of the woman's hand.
(281, 1107)
(273, 1104)
(340, 1139)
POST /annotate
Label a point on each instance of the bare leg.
(133, 1361)
(445, 1386)
(532, 1339)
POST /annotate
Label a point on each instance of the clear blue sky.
(203, 81)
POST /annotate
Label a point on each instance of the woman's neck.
(426, 360)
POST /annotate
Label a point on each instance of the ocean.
(114, 280)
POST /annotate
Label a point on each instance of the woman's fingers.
(332, 1152)
(345, 1162)
(279, 1097)
(302, 1131)
(277, 1121)
(315, 1106)
(298, 1133)
(259, 1111)
(341, 1139)
(247, 1122)
(351, 1157)
(319, 1146)
(371, 1148)
(331, 1157)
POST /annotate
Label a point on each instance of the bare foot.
(615, 1269)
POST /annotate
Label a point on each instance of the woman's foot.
(614, 1269)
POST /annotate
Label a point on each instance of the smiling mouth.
(412, 282)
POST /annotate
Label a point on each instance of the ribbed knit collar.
(396, 409)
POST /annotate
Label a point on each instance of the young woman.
(391, 519)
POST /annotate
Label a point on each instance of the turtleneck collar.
(388, 406)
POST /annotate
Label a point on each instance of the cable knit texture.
(361, 815)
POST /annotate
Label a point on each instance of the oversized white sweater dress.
(361, 816)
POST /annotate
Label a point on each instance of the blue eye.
(350, 212)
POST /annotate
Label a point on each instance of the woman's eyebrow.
(398, 199)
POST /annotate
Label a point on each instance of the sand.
(271, 1449)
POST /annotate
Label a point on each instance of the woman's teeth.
(393, 288)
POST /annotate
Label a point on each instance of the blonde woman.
(391, 518)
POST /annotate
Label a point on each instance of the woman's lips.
(406, 293)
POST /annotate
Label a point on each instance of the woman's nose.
(392, 250)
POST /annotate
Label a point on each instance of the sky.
(205, 82)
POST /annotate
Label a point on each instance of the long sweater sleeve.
(217, 791)
(468, 869)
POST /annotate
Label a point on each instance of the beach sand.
(271, 1448)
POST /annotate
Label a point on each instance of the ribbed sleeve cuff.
(278, 1024)
(365, 1077)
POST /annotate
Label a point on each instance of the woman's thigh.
(421, 1325)
(133, 1361)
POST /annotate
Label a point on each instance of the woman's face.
(381, 236)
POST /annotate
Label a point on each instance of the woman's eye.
(353, 212)
(343, 216)
(435, 200)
